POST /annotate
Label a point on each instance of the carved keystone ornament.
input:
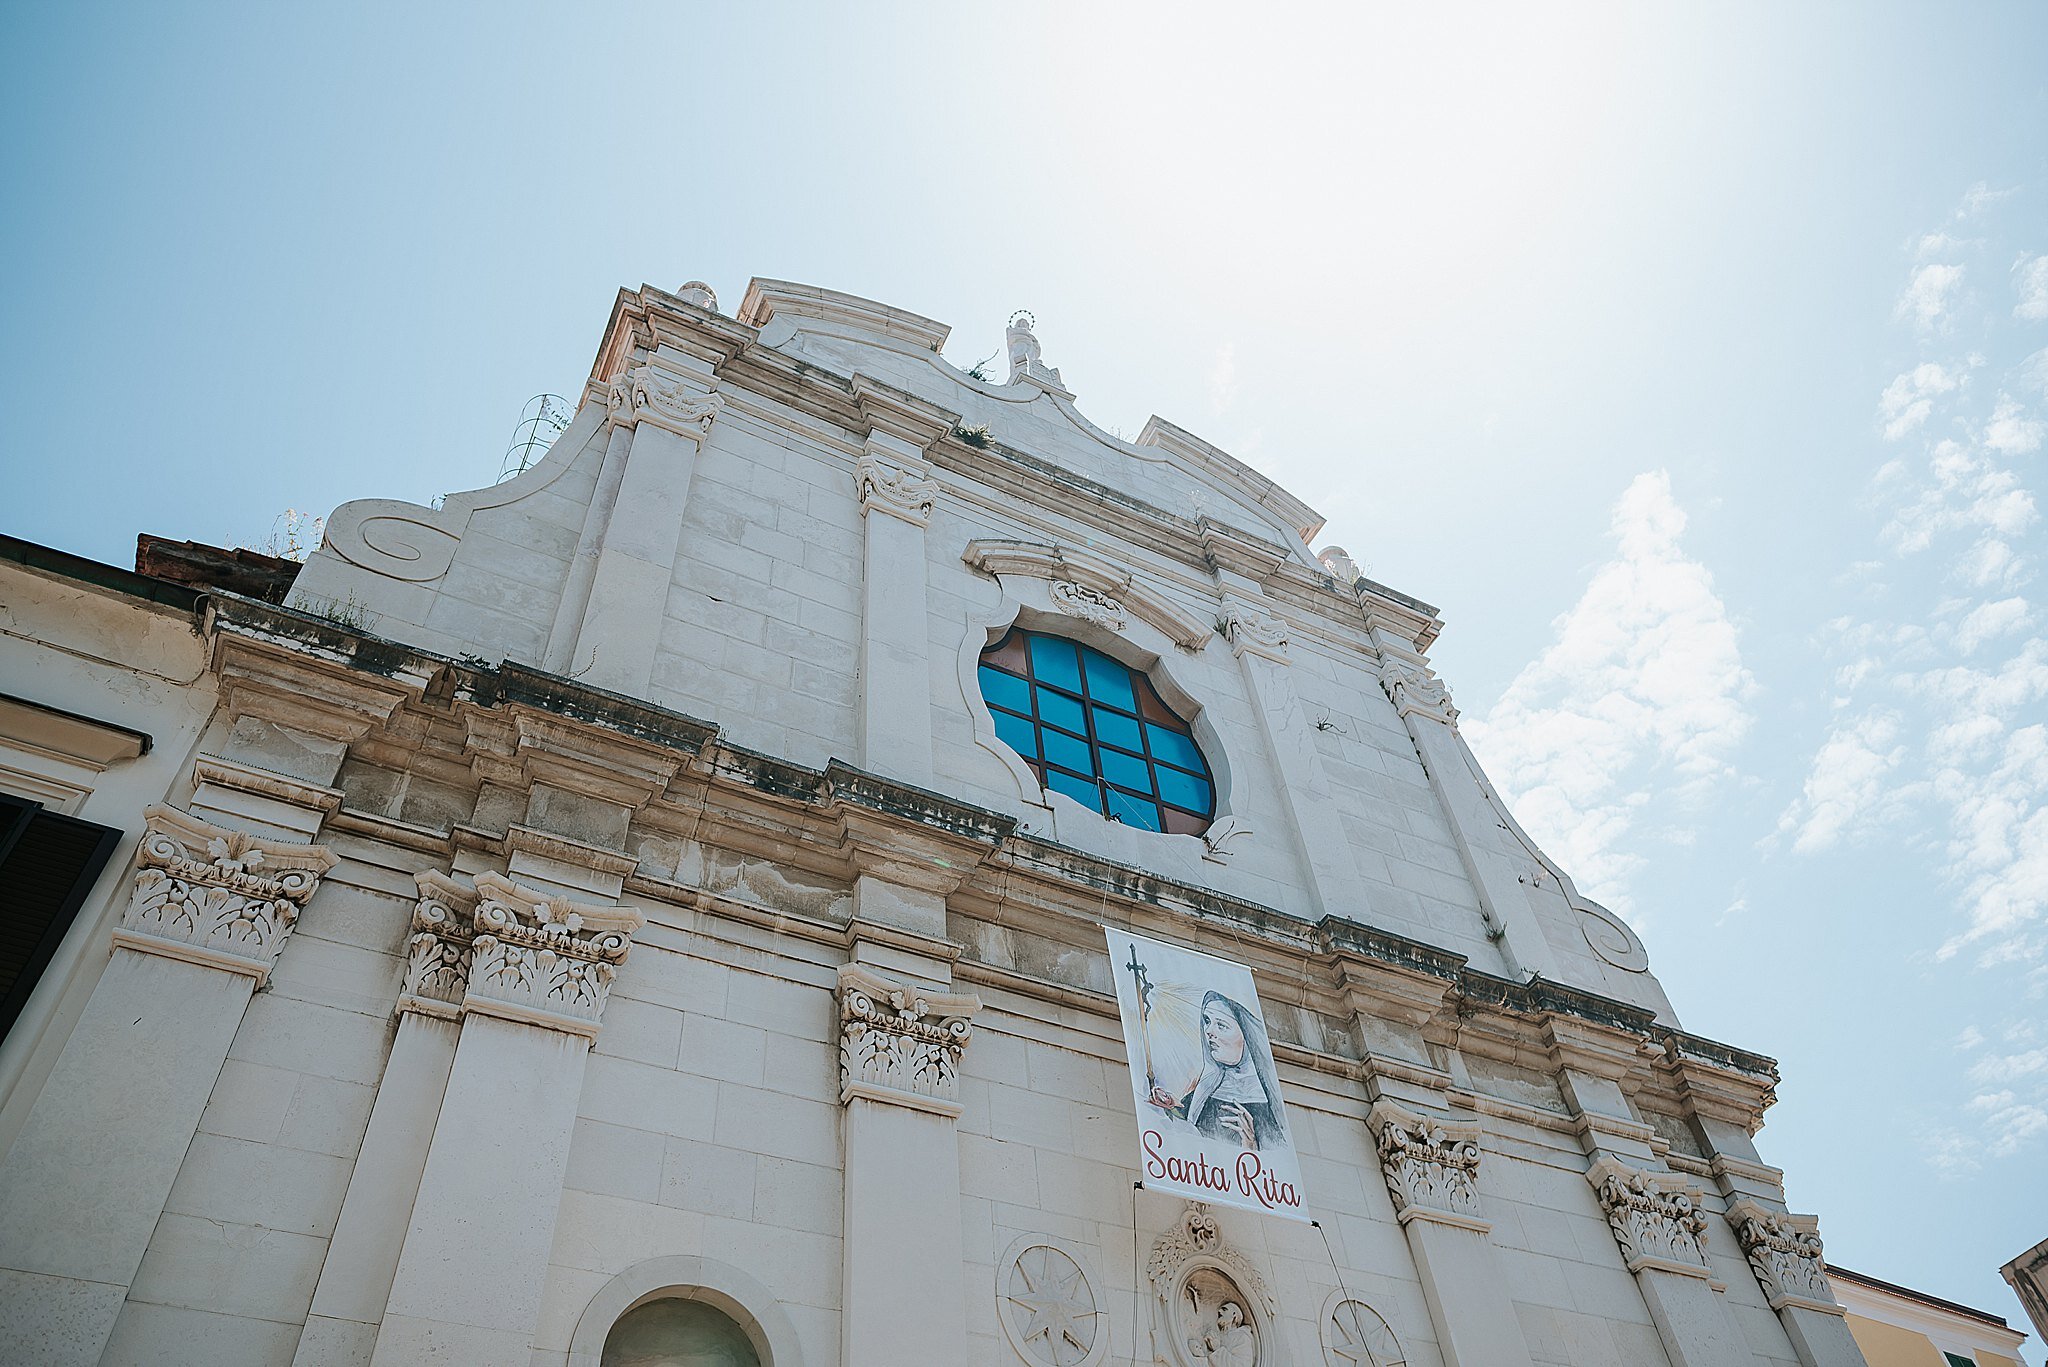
(216, 897)
(1784, 1252)
(901, 1044)
(1657, 1218)
(1431, 1166)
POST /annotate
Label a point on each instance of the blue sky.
(1691, 361)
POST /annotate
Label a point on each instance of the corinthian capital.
(642, 394)
(542, 959)
(216, 897)
(901, 1044)
(437, 953)
(1657, 1218)
(1784, 1252)
(1431, 1166)
(1253, 630)
(1412, 688)
(897, 488)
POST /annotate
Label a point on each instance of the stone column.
(893, 481)
(1424, 706)
(670, 415)
(1660, 1222)
(355, 1280)
(1785, 1254)
(83, 1185)
(1260, 642)
(482, 1225)
(904, 1298)
(1432, 1170)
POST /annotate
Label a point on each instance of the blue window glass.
(1082, 790)
(1174, 748)
(1057, 709)
(1108, 682)
(1183, 790)
(1006, 690)
(1126, 771)
(1114, 728)
(1017, 732)
(1067, 751)
(1097, 731)
(1053, 662)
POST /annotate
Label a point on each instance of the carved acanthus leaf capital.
(1784, 1251)
(642, 394)
(1253, 631)
(215, 896)
(542, 959)
(1431, 1166)
(901, 1044)
(895, 487)
(1657, 1217)
(1411, 687)
(438, 950)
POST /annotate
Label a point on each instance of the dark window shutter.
(48, 864)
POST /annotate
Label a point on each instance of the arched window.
(1097, 731)
(673, 1332)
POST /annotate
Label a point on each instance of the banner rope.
(1335, 1271)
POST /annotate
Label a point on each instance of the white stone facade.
(642, 904)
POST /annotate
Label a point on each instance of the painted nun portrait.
(1225, 1086)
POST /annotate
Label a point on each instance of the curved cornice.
(1040, 561)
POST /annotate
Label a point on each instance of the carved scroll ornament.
(544, 960)
(1656, 1217)
(1784, 1251)
(1254, 631)
(641, 394)
(437, 953)
(1088, 603)
(1431, 1166)
(899, 490)
(1412, 688)
(901, 1044)
(216, 897)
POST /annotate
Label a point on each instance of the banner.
(1211, 1124)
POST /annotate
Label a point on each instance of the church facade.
(651, 911)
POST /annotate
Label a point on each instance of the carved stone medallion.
(1047, 1304)
(1210, 1305)
(1354, 1335)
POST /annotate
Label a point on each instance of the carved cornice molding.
(1412, 688)
(902, 489)
(1253, 631)
(901, 1044)
(216, 897)
(544, 960)
(1657, 1218)
(642, 394)
(437, 953)
(1431, 1166)
(1061, 564)
(1785, 1253)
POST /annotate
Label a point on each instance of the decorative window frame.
(1136, 628)
(725, 1288)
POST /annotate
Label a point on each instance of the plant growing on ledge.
(976, 436)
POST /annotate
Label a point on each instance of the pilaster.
(1659, 1222)
(670, 409)
(532, 998)
(900, 1050)
(1431, 1165)
(1260, 641)
(892, 480)
(210, 910)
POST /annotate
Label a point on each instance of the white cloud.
(1980, 197)
(2011, 430)
(2030, 283)
(1988, 621)
(1964, 492)
(1909, 398)
(2033, 372)
(1643, 684)
(1848, 787)
(1934, 244)
(1970, 1038)
(1926, 300)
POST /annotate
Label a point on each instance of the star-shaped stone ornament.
(1353, 1332)
(1050, 1287)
